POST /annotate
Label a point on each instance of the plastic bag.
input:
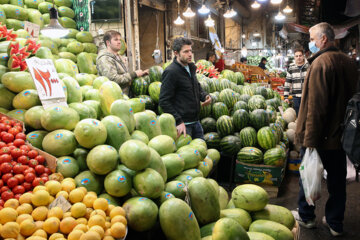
(311, 172)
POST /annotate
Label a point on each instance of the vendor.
(113, 66)
(220, 64)
(243, 60)
(211, 57)
(263, 63)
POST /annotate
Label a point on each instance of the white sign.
(215, 41)
(32, 28)
(47, 82)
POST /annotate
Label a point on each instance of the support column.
(129, 35)
(136, 36)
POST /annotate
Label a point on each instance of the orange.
(117, 211)
(81, 227)
(88, 212)
(78, 210)
(110, 207)
(56, 236)
(107, 225)
(24, 208)
(8, 215)
(101, 203)
(39, 187)
(40, 198)
(25, 198)
(40, 213)
(65, 194)
(107, 233)
(27, 227)
(40, 233)
(118, 230)
(23, 217)
(67, 214)
(10, 230)
(39, 224)
(51, 225)
(96, 220)
(83, 189)
(89, 199)
(67, 225)
(51, 199)
(68, 186)
(81, 221)
(75, 235)
(53, 187)
(90, 235)
(76, 195)
(55, 212)
(12, 203)
(98, 212)
(98, 229)
(120, 219)
(108, 238)
(68, 179)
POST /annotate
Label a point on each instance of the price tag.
(47, 82)
(32, 28)
(60, 202)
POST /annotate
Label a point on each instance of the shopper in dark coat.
(263, 63)
(330, 82)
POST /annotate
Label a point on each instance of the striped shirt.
(294, 80)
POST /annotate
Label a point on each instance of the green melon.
(33, 117)
(117, 132)
(149, 183)
(80, 155)
(89, 180)
(141, 136)
(35, 138)
(227, 228)
(109, 92)
(67, 166)
(59, 117)
(122, 109)
(90, 133)
(239, 215)
(102, 159)
(59, 143)
(250, 197)
(117, 183)
(135, 154)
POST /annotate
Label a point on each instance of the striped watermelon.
(211, 84)
(139, 86)
(277, 131)
(248, 90)
(269, 107)
(225, 126)
(261, 91)
(248, 137)
(259, 118)
(236, 88)
(230, 145)
(245, 97)
(224, 84)
(214, 97)
(281, 121)
(283, 145)
(240, 78)
(270, 93)
(230, 75)
(219, 109)
(217, 84)
(240, 119)
(240, 87)
(240, 105)
(227, 96)
(154, 91)
(275, 157)
(266, 138)
(256, 102)
(250, 155)
(212, 140)
(205, 86)
(285, 139)
(205, 111)
(155, 73)
(277, 95)
(208, 124)
(149, 103)
(272, 115)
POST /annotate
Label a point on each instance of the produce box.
(50, 159)
(14, 119)
(294, 165)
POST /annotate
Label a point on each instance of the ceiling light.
(243, 36)
(227, 14)
(262, 0)
(253, 44)
(179, 21)
(280, 17)
(276, 1)
(204, 9)
(287, 9)
(209, 22)
(233, 12)
(256, 34)
(255, 5)
(54, 29)
(189, 13)
(244, 52)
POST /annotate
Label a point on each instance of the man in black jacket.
(181, 92)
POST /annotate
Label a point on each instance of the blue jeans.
(334, 162)
(296, 104)
(195, 130)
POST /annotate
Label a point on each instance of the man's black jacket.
(181, 94)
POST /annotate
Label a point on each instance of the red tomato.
(40, 159)
(15, 153)
(11, 146)
(20, 178)
(7, 137)
(48, 171)
(25, 148)
(37, 181)
(18, 168)
(32, 154)
(4, 189)
(23, 160)
(1, 183)
(18, 127)
(19, 142)
(33, 163)
(6, 167)
(20, 135)
(44, 175)
(13, 163)
(29, 177)
(2, 127)
(29, 170)
(17, 196)
(6, 177)
(2, 144)
(45, 179)
(2, 202)
(27, 186)
(7, 127)
(12, 182)
(5, 158)
(19, 189)
(7, 195)
(39, 169)
(13, 131)
(5, 150)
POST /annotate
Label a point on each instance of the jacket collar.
(192, 66)
(328, 49)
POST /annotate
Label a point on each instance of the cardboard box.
(14, 119)
(259, 174)
(294, 165)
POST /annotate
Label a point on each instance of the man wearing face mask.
(181, 92)
(329, 84)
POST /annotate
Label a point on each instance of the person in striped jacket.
(295, 78)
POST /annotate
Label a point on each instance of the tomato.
(17, 196)
(39, 169)
(33, 163)
(5, 150)
(37, 181)
(45, 179)
(2, 127)
(18, 189)
(29, 177)
(20, 178)
(5, 158)
(13, 131)
(15, 153)
(1, 183)
(19, 142)
(18, 168)
(6, 177)
(27, 186)
(4, 189)
(44, 175)
(11, 146)
(25, 148)
(20, 135)
(23, 160)
(2, 144)
(7, 195)
(2, 202)
(18, 127)
(33, 154)
(40, 159)
(6, 167)
(7, 137)
(29, 170)
(48, 171)
(7, 127)
(12, 182)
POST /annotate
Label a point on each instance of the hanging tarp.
(82, 16)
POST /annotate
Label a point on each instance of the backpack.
(351, 132)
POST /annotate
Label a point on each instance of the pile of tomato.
(21, 167)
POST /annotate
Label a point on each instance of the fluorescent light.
(209, 22)
(188, 13)
(54, 29)
(287, 9)
(204, 9)
(280, 17)
(276, 1)
(179, 21)
(255, 5)
(256, 34)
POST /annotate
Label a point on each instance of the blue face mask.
(313, 48)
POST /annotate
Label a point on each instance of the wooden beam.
(129, 35)
(153, 4)
(136, 36)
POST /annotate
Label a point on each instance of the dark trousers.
(296, 104)
(334, 162)
(195, 130)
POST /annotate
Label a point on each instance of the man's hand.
(181, 128)
(146, 72)
(207, 101)
(287, 100)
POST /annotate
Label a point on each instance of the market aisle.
(288, 198)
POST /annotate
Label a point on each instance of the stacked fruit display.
(35, 216)
(21, 167)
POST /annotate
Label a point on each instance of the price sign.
(32, 28)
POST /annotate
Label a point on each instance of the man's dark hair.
(299, 50)
(263, 59)
(109, 35)
(209, 54)
(180, 42)
(243, 59)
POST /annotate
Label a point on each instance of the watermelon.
(248, 137)
(219, 109)
(139, 86)
(259, 118)
(275, 157)
(277, 130)
(241, 119)
(154, 91)
(205, 86)
(261, 91)
(230, 75)
(272, 115)
(240, 78)
(250, 155)
(155, 73)
(270, 93)
(248, 90)
(205, 111)
(227, 96)
(230, 145)
(256, 102)
(224, 84)
(224, 125)
(240, 105)
(281, 122)
(149, 103)
(212, 139)
(266, 138)
(245, 97)
(208, 124)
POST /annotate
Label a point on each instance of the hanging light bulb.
(179, 21)
(188, 12)
(203, 9)
(228, 14)
(287, 9)
(233, 12)
(255, 5)
(243, 36)
(54, 29)
(280, 17)
(209, 22)
(276, 1)
(256, 34)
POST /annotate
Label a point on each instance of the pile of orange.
(88, 218)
